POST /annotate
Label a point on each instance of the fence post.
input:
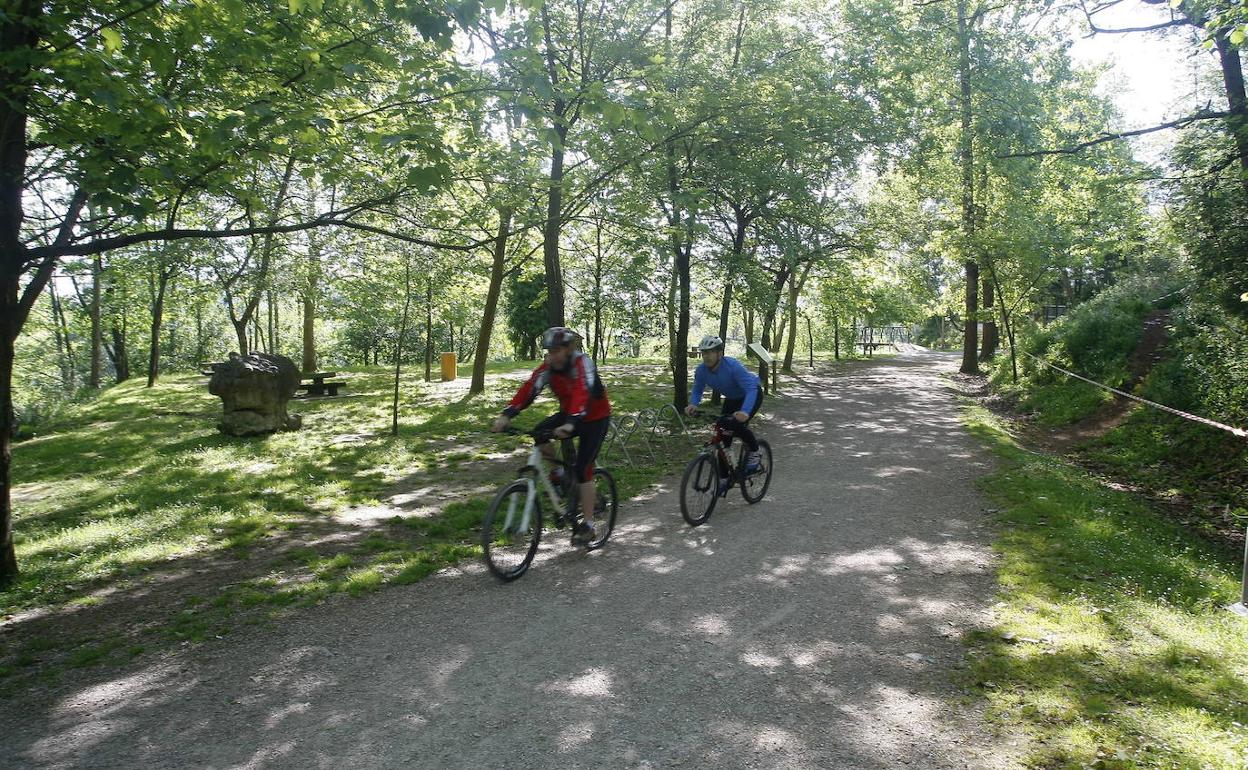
(1241, 608)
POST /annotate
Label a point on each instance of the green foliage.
(1208, 365)
(1096, 339)
(1211, 209)
(526, 313)
(1110, 646)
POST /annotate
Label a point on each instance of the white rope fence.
(1240, 608)
(1240, 432)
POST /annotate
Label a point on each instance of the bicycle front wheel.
(605, 507)
(754, 485)
(511, 530)
(699, 489)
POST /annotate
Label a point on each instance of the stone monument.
(254, 390)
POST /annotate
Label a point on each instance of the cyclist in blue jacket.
(741, 391)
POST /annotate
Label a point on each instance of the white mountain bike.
(512, 527)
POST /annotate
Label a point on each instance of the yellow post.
(448, 367)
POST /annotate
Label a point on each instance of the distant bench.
(318, 385)
(870, 347)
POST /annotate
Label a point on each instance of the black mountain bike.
(512, 527)
(711, 474)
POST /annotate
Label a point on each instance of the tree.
(139, 118)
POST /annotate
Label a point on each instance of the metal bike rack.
(617, 435)
(679, 420)
(645, 425)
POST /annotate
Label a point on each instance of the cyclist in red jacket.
(584, 412)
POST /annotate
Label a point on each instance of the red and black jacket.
(582, 396)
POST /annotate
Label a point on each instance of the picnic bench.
(870, 347)
(319, 385)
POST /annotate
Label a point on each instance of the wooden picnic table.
(870, 347)
(318, 385)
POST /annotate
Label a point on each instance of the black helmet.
(556, 336)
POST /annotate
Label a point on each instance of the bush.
(1208, 365)
(1096, 340)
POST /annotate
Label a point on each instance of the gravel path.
(814, 630)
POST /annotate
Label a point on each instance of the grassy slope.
(138, 487)
(1112, 649)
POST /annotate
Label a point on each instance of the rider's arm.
(748, 383)
(578, 402)
(527, 392)
(699, 385)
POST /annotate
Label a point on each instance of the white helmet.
(710, 342)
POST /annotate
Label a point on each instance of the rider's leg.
(549, 448)
(590, 436)
(747, 435)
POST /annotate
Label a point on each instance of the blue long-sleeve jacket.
(730, 378)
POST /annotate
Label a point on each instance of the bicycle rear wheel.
(605, 508)
(509, 537)
(699, 489)
(754, 485)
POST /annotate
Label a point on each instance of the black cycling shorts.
(733, 405)
(590, 435)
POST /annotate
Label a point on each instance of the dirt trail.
(817, 629)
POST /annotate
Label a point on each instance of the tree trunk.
(597, 295)
(769, 324)
(201, 344)
(497, 269)
(121, 356)
(796, 284)
(810, 343)
(1237, 104)
(272, 319)
(428, 330)
(8, 423)
(970, 365)
(680, 376)
(1006, 320)
(672, 352)
(262, 272)
(551, 233)
(836, 337)
(741, 224)
(97, 329)
(158, 314)
(240, 331)
(69, 374)
(398, 347)
(309, 333)
(991, 337)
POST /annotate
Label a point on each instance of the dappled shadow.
(204, 517)
(815, 629)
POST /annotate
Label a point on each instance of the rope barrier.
(1241, 607)
(1240, 432)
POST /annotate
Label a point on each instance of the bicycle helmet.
(556, 336)
(710, 342)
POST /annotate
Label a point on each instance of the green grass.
(139, 483)
(1112, 647)
(1063, 402)
(1177, 459)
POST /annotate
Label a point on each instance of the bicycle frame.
(716, 447)
(536, 469)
